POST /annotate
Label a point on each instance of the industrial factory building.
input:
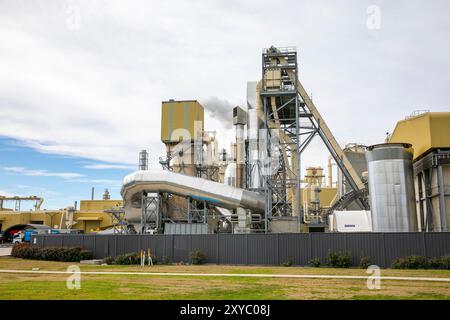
(91, 217)
(395, 186)
(401, 184)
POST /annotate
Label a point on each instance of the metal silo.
(391, 187)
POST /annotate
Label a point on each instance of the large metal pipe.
(218, 194)
(239, 121)
(240, 155)
(330, 172)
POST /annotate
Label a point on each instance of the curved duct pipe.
(217, 194)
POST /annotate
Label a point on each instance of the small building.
(89, 218)
(350, 221)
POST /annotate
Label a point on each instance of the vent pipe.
(143, 160)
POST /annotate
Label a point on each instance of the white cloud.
(107, 182)
(6, 193)
(104, 166)
(42, 173)
(95, 91)
(69, 176)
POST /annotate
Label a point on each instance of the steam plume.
(219, 109)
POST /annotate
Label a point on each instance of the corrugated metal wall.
(261, 249)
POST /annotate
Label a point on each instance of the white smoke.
(221, 110)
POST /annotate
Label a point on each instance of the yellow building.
(429, 134)
(426, 131)
(89, 218)
(315, 193)
(181, 118)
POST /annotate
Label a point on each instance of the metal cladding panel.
(322, 244)
(89, 242)
(112, 245)
(178, 118)
(186, 228)
(128, 244)
(398, 245)
(169, 247)
(181, 248)
(264, 249)
(72, 241)
(366, 245)
(391, 186)
(206, 244)
(232, 248)
(53, 241)
(101, 247)
(38, 241)
(295, 247)
(437, 244)
(261, 249)
(155, 243)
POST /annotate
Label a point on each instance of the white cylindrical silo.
(230, 175)
(391, 187)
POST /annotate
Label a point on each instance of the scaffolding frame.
(151, 212)
(118, 220)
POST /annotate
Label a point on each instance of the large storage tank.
(391, 187)
(355, 154)
(181, 118)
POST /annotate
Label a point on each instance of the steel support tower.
(292, 121)
(281, 107)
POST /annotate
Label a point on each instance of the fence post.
(95, 247)
(278, 249)
(246, 249)
(190, 247)
(217, 249)
(107, 246)
(173, 246)
(424, 246)
(115, 245)
(384, 251)
(310, 253)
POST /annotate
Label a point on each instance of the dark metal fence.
(261, 249)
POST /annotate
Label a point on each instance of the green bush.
(109, 260)
(133, 258)
(26, 251)
(288, 263)
(198, 257)
(165, 260)
(339, 259)
(446, 262)
(128, 259)
(365, 262)
(411, 262)
(315, 263)
(436, 263)
(419, 262)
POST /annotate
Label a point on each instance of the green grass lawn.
(53, 286)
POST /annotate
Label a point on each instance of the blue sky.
(60, 179)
